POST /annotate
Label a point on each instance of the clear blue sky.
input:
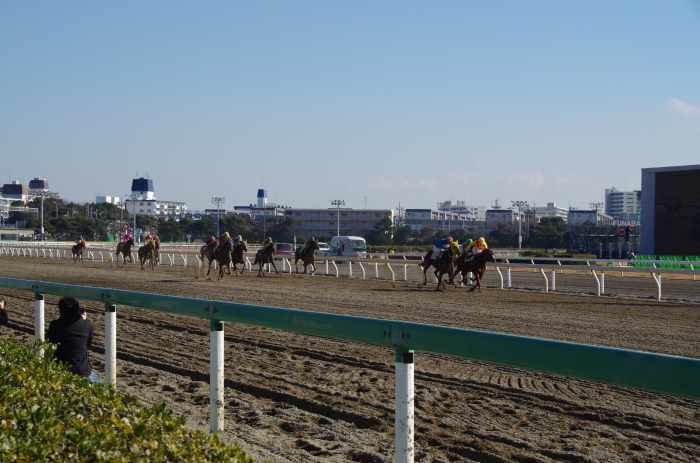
(374, 102)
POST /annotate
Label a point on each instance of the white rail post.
(363, 269)
(509, 282)
(336, 269)
(39, 320)
(597, 281)
(393, 278)
(602, 282)
(546, 283)
(500, 275)
(554, 284)
(657, 280)
(349, 269)
(376, 270)
(404, 436)
(111, 344)
(326, 266)
(216, 377)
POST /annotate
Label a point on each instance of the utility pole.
(338, 203)
(520, 205)
(218, 200)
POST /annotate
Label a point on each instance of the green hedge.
(50, 415)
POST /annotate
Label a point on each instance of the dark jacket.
(3, 317)
(74, 336)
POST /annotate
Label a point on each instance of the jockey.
(267, 242)
(224, 238)
(149, 241)
(126, 238)
(476, 247)
(211, 240)
(441, 245)
(81, 242)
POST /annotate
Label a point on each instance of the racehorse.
(124, 248)
(222, 255)
(156, 250)
(307, 256)
(147, 253)
(237, 255)
(443, 265)
(266, 256)
(477, 265)
(78, 252)
(208, 251)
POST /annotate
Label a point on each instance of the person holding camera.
(3, 311)
(73, 333)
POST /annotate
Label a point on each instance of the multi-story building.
(594, 216)
(315, 222)
(143, 201)
(461, 207)
(436, 220)
(494, 217)
(622, 205)
(535, 214)
(263, 209)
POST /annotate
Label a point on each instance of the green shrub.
(50, 415)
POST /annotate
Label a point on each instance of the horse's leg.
(272, 261)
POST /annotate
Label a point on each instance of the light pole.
(596, 206)
(520, 205)
(338, 203)
(218, 201)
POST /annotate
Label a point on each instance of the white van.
(351, 246)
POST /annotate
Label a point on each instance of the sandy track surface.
(296, 398)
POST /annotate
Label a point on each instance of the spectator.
(3, 311)
(73, 333)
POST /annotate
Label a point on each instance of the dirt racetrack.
(296, 398)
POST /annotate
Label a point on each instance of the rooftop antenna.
(146, 174)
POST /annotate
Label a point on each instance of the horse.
(307, 256)
(266, 256)
(477, 266)
(156, 250)
(124, 248)
(78, 252)
(147, 253)
(208, 251)
(237, 255)
(443, 265)
(222, 255)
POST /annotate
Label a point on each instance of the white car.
(323, 248)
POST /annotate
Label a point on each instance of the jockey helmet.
(226, 235)
(80, 237)
(269, 239)
(128, 235)
(148, 237)
(449, 239)
(239, 238)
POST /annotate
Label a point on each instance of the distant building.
(623, 205)
(15, 191)
(444, 220)
(315, 222)
(535, 214)
(108, 199)
(461, 207)
(494, 217)
(263, 208)
(143, 201)
(671, 211)
(596, 217)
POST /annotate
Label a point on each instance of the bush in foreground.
(50, 415)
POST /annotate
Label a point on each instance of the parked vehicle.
(351, 246)
(323, 248)
(284, 248)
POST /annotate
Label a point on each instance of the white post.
(554, 284)
(349, 269)
(216, 377)
(39, 320)
(509, 283)
(111, 344)
(404, 416)
(376, 270)
(602, 282)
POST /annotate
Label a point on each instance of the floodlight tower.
(338, 203)
(520, 205)
(218, 201)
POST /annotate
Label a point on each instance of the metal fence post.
(216, 377)
(404, 436)
(111, 344)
